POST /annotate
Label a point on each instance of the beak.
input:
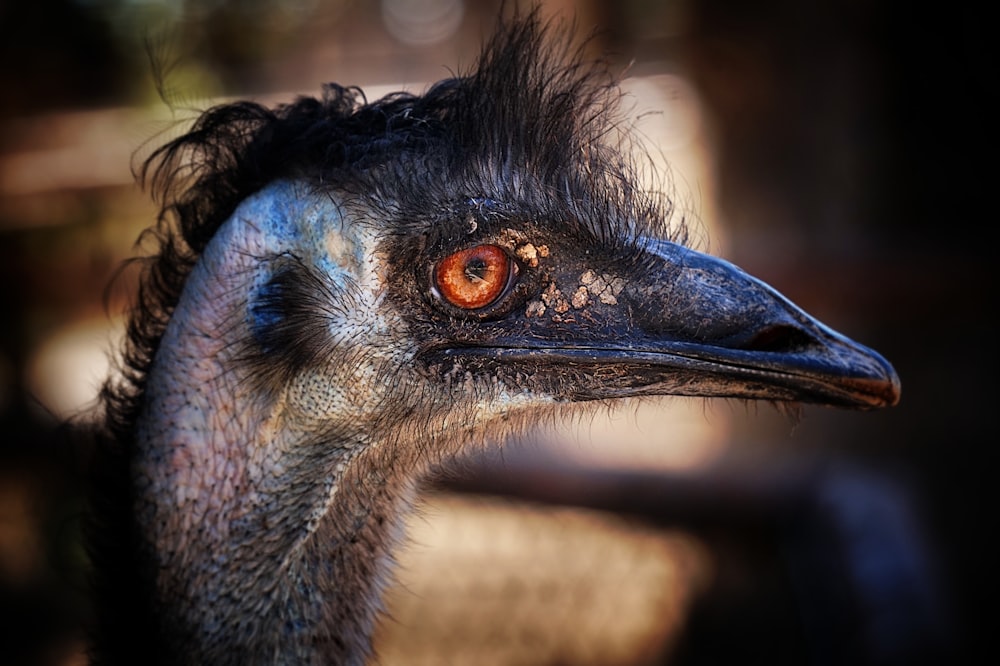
(693, 324)
(742, 338)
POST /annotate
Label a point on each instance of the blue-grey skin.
(234, 484)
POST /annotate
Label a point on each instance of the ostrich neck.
(265, 526)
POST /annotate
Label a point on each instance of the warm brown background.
(852, 162)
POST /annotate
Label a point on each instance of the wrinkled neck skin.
(268, 513)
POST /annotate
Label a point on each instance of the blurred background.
(835, 149)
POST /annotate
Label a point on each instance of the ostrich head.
(347, 292)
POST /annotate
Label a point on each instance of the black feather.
(290, 322)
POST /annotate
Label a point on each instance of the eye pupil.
(474, 278)
(476, 269)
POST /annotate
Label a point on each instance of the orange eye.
(475, 277)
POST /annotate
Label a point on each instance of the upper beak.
(693, 324)
(742, 338)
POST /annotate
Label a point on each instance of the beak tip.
(895, 389)
(883, 387)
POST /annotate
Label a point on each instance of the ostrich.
(346, 293)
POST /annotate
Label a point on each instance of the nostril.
(778, 338)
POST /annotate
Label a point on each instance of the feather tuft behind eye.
(290, 317)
